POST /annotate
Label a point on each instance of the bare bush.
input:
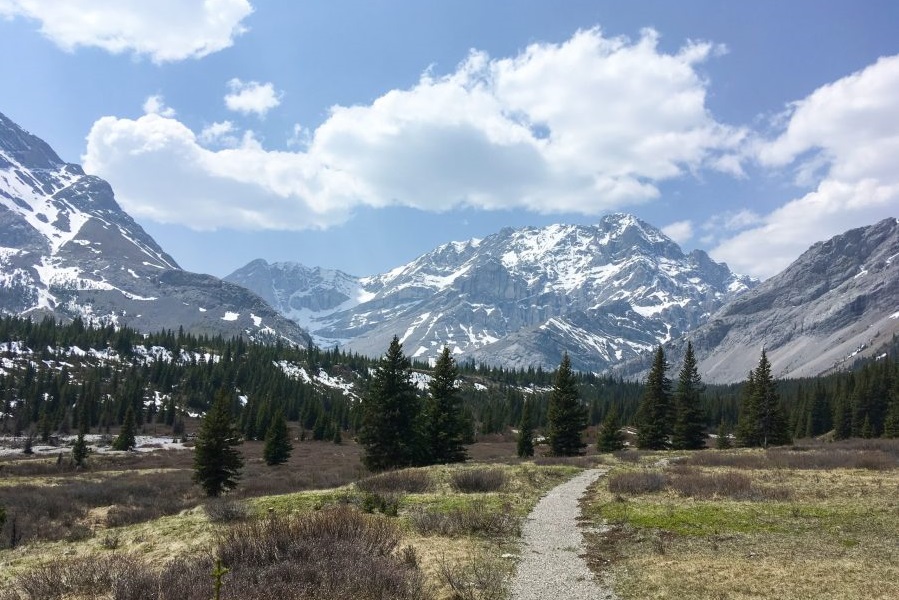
(408, 481)
(477, 518)
(339, 554)
(226, 510)
(819, 458)
(469, 481)
(481, 578)
(637, 482)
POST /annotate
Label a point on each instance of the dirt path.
(552, 545)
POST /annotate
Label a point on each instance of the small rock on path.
(552, 547)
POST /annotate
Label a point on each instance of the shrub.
(637, 482)
(226, 510)
(409, 481)
(481, 578)
(471, 481)
(477, 518)
(386, 504)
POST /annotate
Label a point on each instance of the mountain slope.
(67, 249)
(519, 297)
(836, 302)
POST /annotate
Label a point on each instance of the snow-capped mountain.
(837, 302)
(67, 249)
(520, 297)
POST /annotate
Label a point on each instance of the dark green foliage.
(126, 440)
(722, 442)
(609, 437)
(654, 414)
(217, 461)
(689, 419)
(277, 442)
(80, 449)
(566, 414)
(445, 418)
(762, 422)
(526, 431)
(390, 417)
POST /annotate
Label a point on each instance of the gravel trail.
(552, 544)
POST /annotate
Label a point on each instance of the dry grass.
(116, 486)
(777, 527)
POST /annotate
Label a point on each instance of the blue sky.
(360, 134)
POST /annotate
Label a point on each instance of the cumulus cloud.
(585, 126)
(220, 133)
(679, 231)
(251, 97)
(155, 105)
(164, 30)
(845, 136)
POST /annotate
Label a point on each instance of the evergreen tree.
(390, 412)
(80, 449)
(654, 413)
(277, 442)
(526, 431)
(689, 421)
(762, 422)
(126, 440)
(217, 461)
(609, 437)
(566, 414)
(445, 418)
(723, 440)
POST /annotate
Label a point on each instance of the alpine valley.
(606, 293)
(68, 250)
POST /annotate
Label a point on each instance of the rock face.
(67, 249)
(519, 298)
(835, 303)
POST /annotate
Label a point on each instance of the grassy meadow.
(817, 520)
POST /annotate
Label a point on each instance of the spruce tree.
(762, 422)
(391, 409)
(277, 442)
(689, 420)
(445, 418)
(217, 461)
(526, 431)
(654, 412)
(723, 440)
(80, 449)
(609, 437)
(126, 438)
(566, 415)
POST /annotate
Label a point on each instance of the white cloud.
(679, 231)
(586, 126)
(155, 105)
(251, 97)
(845, 135)
(164, 30)
(221, 133)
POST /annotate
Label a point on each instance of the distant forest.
(167, 377)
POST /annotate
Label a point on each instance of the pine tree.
(762, 422)
(723, 440)
(654, 412)
(566, 414)
(526, 431)
(445, 418)
(80, 449)
(390, 412)
(126, 439)
(689, 420)
(217, 461)
(609, 437)
(277, 442)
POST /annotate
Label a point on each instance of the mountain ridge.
(69, 250)
(477, 294)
